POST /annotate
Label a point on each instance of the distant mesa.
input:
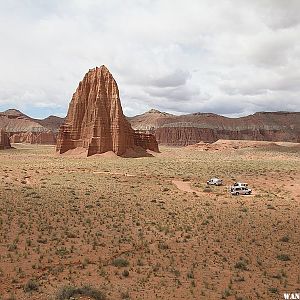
(4, 140)
(95, 121)
(192, 128)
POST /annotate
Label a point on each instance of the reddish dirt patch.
(184, 186)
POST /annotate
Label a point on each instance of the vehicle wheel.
(237, 193)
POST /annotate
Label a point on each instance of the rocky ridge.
(192, 128)
(24, 129)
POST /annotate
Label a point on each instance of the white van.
(240, 190)
(215, 181)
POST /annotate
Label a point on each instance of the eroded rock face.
(95, 119)
(146, 141)
(4, 140)
(43, 138)
(183, 136)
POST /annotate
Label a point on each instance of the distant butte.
(95, 122)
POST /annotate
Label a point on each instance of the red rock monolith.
(95, 120)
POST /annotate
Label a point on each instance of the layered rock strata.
(192, 128)
(146, 141)
(43, 138)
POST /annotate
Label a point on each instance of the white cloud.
(229, 57)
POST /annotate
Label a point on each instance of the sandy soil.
(184, 186)
(148, 228)
(239, 144)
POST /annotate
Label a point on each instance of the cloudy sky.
(232, 57)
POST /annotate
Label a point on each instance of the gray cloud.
(230, 57)
(280, 14)
(174, 79)
(176, 94)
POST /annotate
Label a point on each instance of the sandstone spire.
(95, 119)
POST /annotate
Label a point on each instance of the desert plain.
(106, 227)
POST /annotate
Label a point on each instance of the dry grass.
(74, 222)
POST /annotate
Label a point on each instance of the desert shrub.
(226, 293)
(270, 206)
(69, 292)
(244, 209)
(120, 262)
(62, 251)
(162, 246)
(125, 295)
(273, 290)
(207, 189)
(31, 286)
(283, 257)
(125, 273)
(12, 247)
(285, 239)
(241, 264)
(12, 297)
